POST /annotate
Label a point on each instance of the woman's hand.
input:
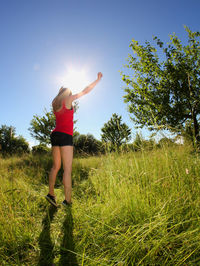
(99, 76)
(87, 89)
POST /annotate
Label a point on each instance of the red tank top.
(64, 120)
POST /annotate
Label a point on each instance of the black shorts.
(61, 139)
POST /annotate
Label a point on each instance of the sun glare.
(74, 79)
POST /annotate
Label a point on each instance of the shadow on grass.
(45, 243)
(67, 248)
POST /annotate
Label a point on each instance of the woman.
(62, 139)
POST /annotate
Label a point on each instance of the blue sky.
(43, 40)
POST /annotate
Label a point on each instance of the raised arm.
(87, 89)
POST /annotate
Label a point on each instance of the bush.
(40, 149)
(140, 143)
(87, 144)
(19, 145)
(166, 142)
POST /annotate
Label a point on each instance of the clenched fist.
(99, 75)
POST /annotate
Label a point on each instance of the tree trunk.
(196, 129)
(196, 135)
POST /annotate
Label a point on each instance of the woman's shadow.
(67, 248)
(45, 243)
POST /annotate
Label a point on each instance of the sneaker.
(51, 199)
(66, 203)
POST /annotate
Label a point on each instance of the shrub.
(87, 144)
(40, 149)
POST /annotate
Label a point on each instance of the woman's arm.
(87, 89)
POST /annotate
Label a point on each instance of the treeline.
(10, 144)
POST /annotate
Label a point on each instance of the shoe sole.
(49, 200)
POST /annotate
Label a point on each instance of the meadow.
(130, 208)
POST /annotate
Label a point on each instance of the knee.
(56, 167)
(67, 170)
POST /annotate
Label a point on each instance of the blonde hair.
(57, 101)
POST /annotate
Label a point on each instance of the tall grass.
(130, 208)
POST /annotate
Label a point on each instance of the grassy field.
(139, 208)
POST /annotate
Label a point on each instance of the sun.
(76, 79)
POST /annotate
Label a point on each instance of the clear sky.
(45, 43)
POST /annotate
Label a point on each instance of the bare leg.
(54, 170)
(67, 157)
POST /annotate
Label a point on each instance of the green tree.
(41, 126)
(86, 144)
(11, 144)
(115, 133)
(19, 145)
(164, 93)
(6, 136)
